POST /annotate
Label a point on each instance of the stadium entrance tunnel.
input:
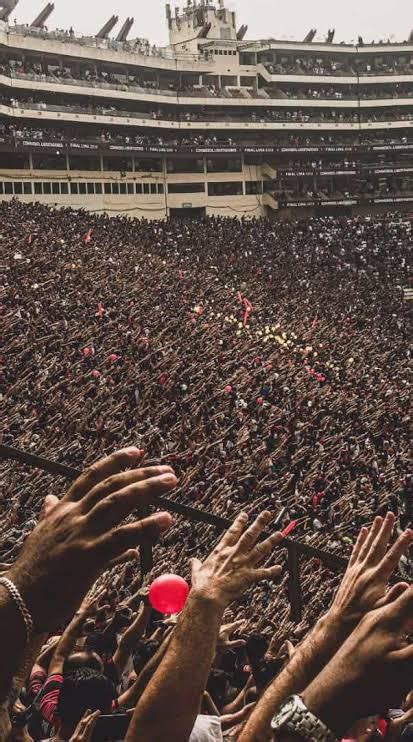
(188, 212)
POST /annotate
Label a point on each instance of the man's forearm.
(67, 642)
(189, 657)
(313, 654)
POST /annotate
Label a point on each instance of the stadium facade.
(212, 123)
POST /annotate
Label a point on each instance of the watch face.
(284, 715)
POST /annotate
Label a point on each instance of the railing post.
(294, 584)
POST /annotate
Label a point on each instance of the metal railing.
(295, 549)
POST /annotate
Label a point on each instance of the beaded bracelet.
(21, 605)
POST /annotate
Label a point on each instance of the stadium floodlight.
(107, 28)
(330, 36)
(41, 19)
(310, 36)
(241, 32)
(124, 31)
(7, 7)
(411, 37)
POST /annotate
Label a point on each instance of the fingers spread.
(263, 550)
(361, 538)
(115, 507)
(381, 542)
(102, 469)
(374, 530)
(146, 531)
(391, 560)
(118, 482)
(232, 536)
(252, 534)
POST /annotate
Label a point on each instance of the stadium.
(211, 124)
(205, 383)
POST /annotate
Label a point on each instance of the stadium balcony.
(267, 119)
(208, 95)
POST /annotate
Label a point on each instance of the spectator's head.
(102, 644)
(83, 689)
(84, 659)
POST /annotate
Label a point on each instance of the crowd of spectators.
(362, 64)
(344, 92)
(204, 113)
(114, 136)
(249, 366)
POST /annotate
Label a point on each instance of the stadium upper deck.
(211, 122)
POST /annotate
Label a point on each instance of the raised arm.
(130, 637)
(363, 586)
(178, 685)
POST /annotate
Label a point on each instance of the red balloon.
(168, 594)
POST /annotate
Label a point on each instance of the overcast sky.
(373, 19)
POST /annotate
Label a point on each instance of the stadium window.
(161, 188)
(146, 187)
(122, 188)
(225, 189)
(98, 188)
(18, 189)
(186, 188)
(8, 189)
(90, 188)
(74, 190)
(148, 165)
(38, 188)
(115, 189)
(130, 188)
(13, 161)
(82, 189)
(81, 162)
(253, 187)
(64, 189)
(1, 189)
(49, 162)
(108, 188)
(139, 188)
(224, 165)
(56, 189)
(118, 164)
(47, 189)
(185, 165)
(153, 188)
(27, 188)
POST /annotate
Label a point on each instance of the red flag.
(289, 528)
(100, 310)
(248, 308)
(88, 236)
(30, 239)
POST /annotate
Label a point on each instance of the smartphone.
(111, 728)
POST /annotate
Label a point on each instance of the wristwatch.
(294, 717)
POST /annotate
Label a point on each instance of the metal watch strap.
(305, 724)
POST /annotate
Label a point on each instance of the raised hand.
(373, 669)
(233, 566)
(371, 565)
(85, 728)
(225, 633)
(75, 541)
